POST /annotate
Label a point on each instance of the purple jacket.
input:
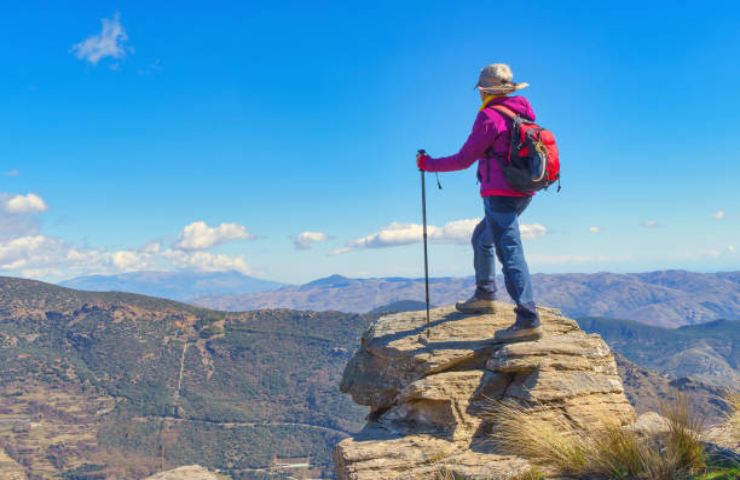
(491, 129)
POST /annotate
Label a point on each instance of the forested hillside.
(121, 384)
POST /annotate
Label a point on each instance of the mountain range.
(669, 298)
(116, 385)
(179, 285)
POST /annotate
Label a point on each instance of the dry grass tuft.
(444, 474)
(607, 450)
(531, 474)
(683, 449)
(548, 442)
(616, 451)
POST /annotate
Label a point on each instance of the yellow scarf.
(488, 100)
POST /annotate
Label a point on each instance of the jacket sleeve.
(474, 148)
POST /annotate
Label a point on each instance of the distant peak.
(719, 323)
(330, 281)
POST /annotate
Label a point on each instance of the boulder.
(429, 397)
(726, 434)
(650, 424)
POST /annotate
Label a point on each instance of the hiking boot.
(476, 305)
(518, 333)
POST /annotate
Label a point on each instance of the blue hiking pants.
(499, 232)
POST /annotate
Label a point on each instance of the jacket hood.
(518, 104)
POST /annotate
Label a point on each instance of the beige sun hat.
(497, 78)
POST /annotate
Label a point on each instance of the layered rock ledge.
(428, 398)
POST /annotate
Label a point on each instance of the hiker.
(488, 142)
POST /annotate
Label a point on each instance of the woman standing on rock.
(499, 229)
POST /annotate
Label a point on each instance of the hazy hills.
(667, 298)
(121, 385)
(709, 352)
(181, 285)
(650, 391)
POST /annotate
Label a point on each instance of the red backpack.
(533, 162)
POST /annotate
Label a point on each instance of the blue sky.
(211, 136)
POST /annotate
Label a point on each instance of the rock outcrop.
(428, 399)
(726, 434)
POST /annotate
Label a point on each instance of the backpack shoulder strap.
(505, 110)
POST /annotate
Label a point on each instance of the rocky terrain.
(429, 398)
(666, 298)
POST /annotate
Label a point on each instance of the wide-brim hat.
(498, 79)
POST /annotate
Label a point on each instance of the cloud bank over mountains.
(455, 232)
(26, 251)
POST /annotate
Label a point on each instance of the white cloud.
(19, 204)
(199, 236)
(127, 260)
(18, 215)
(456, 232)
(25, 252)
(39, 255)
(109, 43)
(649, 224)
(719, 215)
(393, 235)
(16, 253)
(47, 256)
(151, 247)
(532, 231)
(206, 261)
(12, 173)
(594, 229)
(305, 240)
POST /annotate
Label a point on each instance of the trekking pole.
(424, 229)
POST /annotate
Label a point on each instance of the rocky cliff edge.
(429, 399)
